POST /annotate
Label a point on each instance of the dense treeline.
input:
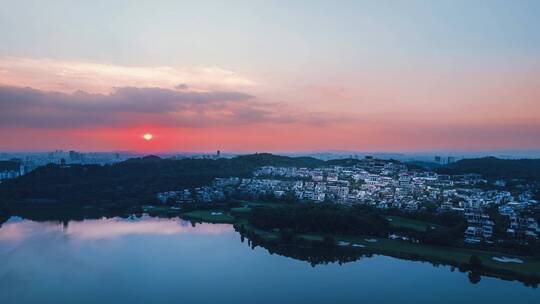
(313, 253)
(267, 159)
(134, 181)
(3, 218)
(446, 219)
(495, 168)
(324, 218)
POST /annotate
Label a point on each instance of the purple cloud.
(28, 107)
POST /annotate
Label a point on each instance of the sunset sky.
(269, 75)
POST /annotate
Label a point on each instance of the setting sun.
(148, 136)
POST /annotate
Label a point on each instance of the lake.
(156, 260)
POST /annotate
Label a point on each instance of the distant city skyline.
(440, 157)
(270, 76)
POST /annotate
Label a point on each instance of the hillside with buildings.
(493, 206)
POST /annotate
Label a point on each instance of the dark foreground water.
(152, 260)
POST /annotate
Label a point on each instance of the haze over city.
(256, 76)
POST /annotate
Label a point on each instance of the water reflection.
(16, 229)
(153, 260)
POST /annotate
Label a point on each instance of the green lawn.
(207, 216)
(261, 203)
(404, 249)
(241, 210)
(401, 222)
(312, 237)
(440, 253)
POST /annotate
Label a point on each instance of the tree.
(286, 235)
(475, 263)
(329, 240)
(474, 277)
(171, 201)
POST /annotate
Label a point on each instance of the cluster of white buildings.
(219, 190)
(11, 170)
(206, 194)
(9, 174)
(479, 226)
(521, 225)
(382, 184)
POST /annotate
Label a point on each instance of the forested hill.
(267, 159)
(133, 181)
(495, 168)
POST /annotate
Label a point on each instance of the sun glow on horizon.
(148, 136)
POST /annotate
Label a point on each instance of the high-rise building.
(75, 156)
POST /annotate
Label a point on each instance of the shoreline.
(527, 272)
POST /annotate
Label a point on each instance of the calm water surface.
(152, 260)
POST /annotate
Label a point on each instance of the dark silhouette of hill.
(133, 181)
(267, 159)
(495, 168)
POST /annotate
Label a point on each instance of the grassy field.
(408, 250)
(250, 204)
(212, 216)
(440, 253)
(241, 210)
(311, 237)
(402, 222)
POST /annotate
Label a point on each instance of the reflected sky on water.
(152, 260)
